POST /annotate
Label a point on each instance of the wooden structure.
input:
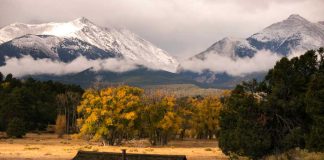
(88, 155)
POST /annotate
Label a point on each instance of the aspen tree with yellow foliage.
(159, 118)
(206, 117)
(109, 115)
(115, 114)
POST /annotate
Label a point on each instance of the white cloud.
(262, 61)
(29, 66)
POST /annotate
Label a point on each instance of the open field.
(183, 90)
(49, 147)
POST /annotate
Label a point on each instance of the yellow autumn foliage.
(109, 113)
(206, 117)
(117, 113)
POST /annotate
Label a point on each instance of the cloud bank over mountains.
(262, 61)
(29, 66)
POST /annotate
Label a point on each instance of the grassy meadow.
(49, 147)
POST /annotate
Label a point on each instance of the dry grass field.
(49, 147)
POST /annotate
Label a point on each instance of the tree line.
(111, 115)
(118, 114)
(29, 104)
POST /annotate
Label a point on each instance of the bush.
(16, 128)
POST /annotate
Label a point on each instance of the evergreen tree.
(1, 77)
(9, 77)
(282, 112)
(243, 124)
(315, 109)
(32, 101)
(16, 128)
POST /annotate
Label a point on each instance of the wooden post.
(123, 154)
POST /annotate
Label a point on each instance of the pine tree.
(242, 124)
(1, 77)
(315, 109)
(16, 128)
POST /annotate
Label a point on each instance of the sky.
(181, 27)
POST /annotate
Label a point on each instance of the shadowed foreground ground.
(48, 147)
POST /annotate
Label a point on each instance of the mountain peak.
(230, 39)
(296, 17)
(82, 20)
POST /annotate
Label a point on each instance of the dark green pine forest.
(282, 112)
(31, 102)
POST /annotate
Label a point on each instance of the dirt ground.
(49, 147)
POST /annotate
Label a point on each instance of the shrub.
(16, 128)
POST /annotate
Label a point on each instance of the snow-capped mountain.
(290, 35)
(293, 34)
(55, 48)
(320, 24)
(120, 42)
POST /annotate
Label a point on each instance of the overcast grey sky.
(181, 27)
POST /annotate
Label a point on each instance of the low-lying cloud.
(29, 66)
(260, 62)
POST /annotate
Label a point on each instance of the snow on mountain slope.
(287, 28)
(295, 34)
(259, 52)
(320, 24)
(44, 44)
(52, 47)
(292, 34)
(230, 47)
(119, 41)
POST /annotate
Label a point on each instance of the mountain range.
(81, 37)
(64, 42)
